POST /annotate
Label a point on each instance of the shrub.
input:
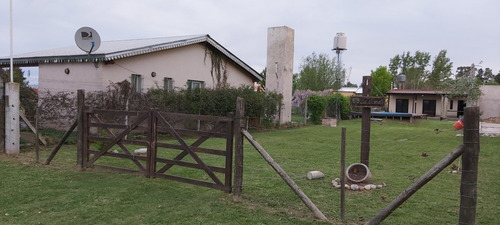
(343, 102)
(61, 107)
(316, 105)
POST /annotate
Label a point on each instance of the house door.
(429, 107)
(402, 105)
(460, 109)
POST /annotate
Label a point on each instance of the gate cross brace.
(188, 149)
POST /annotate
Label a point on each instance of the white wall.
(489, 103)
(181, 64)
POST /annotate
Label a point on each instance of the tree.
(262, 83)
(381, 81)
(485, 76)
(318, 73)
(441, 70)
(27, 95)
(465, 85)
(413, 66)
(497, 78)
(349, 84)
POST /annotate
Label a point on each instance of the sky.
(376, 31)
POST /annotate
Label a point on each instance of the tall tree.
(441, 70)
(318, 73)
(485, 76)
(413, 66)
(381, 81)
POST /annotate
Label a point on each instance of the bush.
(59, 107)
(316, 106)
(340, 101)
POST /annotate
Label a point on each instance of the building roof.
(112, 50)
(416, 91)
(357, 90)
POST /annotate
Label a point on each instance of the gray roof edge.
(233, 57)
(153, 48)
(34, 61)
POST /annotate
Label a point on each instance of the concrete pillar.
(279, 73)
(12, 134)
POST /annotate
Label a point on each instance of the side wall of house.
(69, 77)
(489, 102)
(415, 102)
(181, 64)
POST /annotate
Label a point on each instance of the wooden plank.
(122, 156)
(190, 151)
(367, 101)
(118, 169)
(238, 154)
(366, 123)
(33, 129)
(113, 141)
(61, 142)
(81, 130)
(342, 174)
(229, 153)
(194, 117)
(189, 164)
(420, 182)
(470, 164)
(119, 112)
(119, 137)
(284, 176)
(191, 181)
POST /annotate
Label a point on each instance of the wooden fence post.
(81, 130)
(470, 158)
(342, 175)
(366, 123)
(238, 155)
(229, 153)
(152, 139)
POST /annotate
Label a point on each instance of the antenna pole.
(11, 46)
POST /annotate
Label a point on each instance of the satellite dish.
(87, 39)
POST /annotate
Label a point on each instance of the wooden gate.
(194, 149)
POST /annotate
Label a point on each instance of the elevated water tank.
(401, 78)
(340, 42)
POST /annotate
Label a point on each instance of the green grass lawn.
(32, 193)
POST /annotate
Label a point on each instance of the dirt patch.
(492, 120)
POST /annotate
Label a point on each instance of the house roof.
(112, 50)
(357, 90)
(416, 91)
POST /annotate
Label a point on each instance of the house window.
(451, 104)
(194, 84)
(168, 84)
(136, 82)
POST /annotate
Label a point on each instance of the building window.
(451, 104)
(136, 82)
(194, 84)
(168, 84)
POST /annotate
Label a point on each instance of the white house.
(169, 63)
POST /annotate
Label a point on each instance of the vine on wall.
(218, 69)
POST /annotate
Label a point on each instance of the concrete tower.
(279, 73)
